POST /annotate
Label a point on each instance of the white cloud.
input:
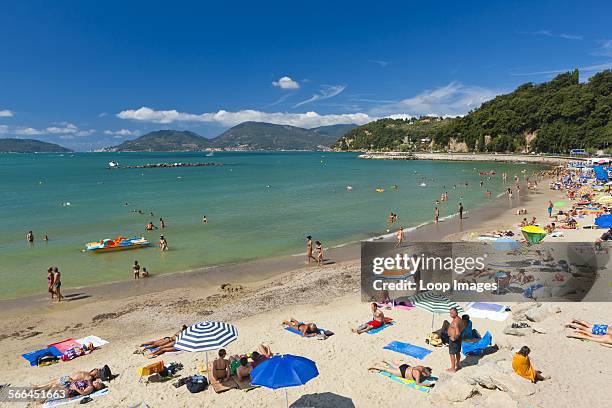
(605, 48)
(121, 132)
(326, 92)
(5, 113)
(62, 129)
(585, 69)
(286, 83)
(454, 99)
(225, 118)
(548, 33)
(381, 63)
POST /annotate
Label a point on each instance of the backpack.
(196, 383)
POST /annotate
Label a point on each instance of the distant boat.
(117, 244)
(209, 154)
(423, 185)
(113, 164)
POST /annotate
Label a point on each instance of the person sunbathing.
(168, 348)
(243, 368)
(378, 320)
(260, 356)
(163, 342)
(307, 329)
(598, 333)
(522, 366)
(417, 373)
(65, 381)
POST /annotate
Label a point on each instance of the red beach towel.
(64, 345)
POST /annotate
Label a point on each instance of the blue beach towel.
(493, 307)
(296, 331)
(408, 349)
(409, 383)
(381, 328)
(35, 355)
(478, 347)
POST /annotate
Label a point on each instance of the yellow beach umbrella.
(533, 234)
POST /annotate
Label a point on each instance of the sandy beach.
(329, 296)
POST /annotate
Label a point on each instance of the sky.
(90, 74)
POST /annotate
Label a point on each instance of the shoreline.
(254, 271)
(471, 157)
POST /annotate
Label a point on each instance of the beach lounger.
(72, 400)
(478, 347)
(408, 349)
(409, 383)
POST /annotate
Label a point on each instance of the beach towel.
(522, 366)
(388, 322)
(494, 307)
(296, 331)
(408, 349)
(409, 383)
(71, 400)
(64, 345)
(35, 355)
(478, 347)
(498, 316)
(221, 386)
(95, 340)
(400, 305)
(244, 384)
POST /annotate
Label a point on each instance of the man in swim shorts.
(378, 320)
(454, 339)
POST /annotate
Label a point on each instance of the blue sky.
(90, 74)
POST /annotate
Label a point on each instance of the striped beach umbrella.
(206, 336)
(435, 303)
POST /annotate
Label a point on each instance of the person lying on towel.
(79, 383)
(398, 369)
(522, 366)
(307, 329)
(378, 320)
(161, 343)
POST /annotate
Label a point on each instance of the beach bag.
(434, 339)
(157, 367)
(196, 383)
(105, 373)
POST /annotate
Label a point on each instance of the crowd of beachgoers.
(392, 356)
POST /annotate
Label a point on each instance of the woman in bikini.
(221, 367)
(161, 343)
(416, 373)
(307, 329)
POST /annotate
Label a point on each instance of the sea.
(258, 205)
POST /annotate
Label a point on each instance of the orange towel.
(522, 366)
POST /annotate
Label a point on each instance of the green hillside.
(30, 146)
(164, 141)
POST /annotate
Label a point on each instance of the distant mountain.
(245, 136)
(30, 146)
(267, 136)
(164, 141)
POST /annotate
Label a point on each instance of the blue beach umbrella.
(604, 221)
(284, 370)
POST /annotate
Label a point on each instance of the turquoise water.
(247, 220)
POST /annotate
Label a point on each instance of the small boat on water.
(117, 244)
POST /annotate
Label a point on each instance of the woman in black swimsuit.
(416, 373)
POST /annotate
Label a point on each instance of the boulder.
(538, 314)
(500, 400)
(452, 388)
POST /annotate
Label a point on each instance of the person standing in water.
(136, 270)
(162, 223)
(400, 237)
(460, 211)
(30, 237)
(204, 220)
(436, 214)
(163, 244)
(50, 281)
(309, 255)
(57, 283)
